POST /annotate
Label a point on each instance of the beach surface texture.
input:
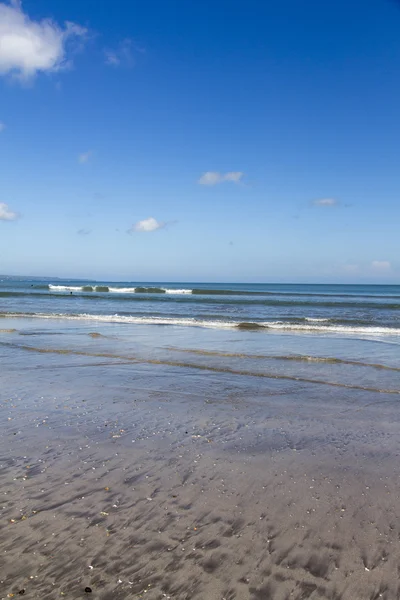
(211, 442)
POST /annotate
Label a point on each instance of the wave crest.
(139, 289)
(216, 323)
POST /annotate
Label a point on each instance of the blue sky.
(215, 140)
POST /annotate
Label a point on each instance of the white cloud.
(381, 265)
(28, 47)
(111, 59)
(147, 225)
(213, 177)
(2, 127)
(84, 157)
(122, 55)
(325, 202)
(6, 214)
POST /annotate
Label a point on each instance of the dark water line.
(295, 358)
(217, 291)
(209, 368)
(190, 299)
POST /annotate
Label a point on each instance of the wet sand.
(151, 481)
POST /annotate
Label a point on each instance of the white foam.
(124, 290)
(117, 290)
(127, 319)
(279, 325)
(315, 320)
(143, 290)
(191, 322)
(65, 288)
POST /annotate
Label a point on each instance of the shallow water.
(182, 462)
(331, 360)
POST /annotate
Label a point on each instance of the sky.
(221, 140)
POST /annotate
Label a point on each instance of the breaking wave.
(306, 327)
(117, 290)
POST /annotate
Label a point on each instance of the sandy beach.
(199, 300)
(153, 481)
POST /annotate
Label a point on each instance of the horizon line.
(148, 281)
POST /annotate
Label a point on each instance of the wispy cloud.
(84, 231)
(213, 177)
(120, 56)
(28, 47)
(383, 266)
(351, 268)
(2, 126)
(6, 214)
(84, 157)
(147, 225)
(326, 202)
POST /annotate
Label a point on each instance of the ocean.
(340, 336)
(199, 440)
(342, 309)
